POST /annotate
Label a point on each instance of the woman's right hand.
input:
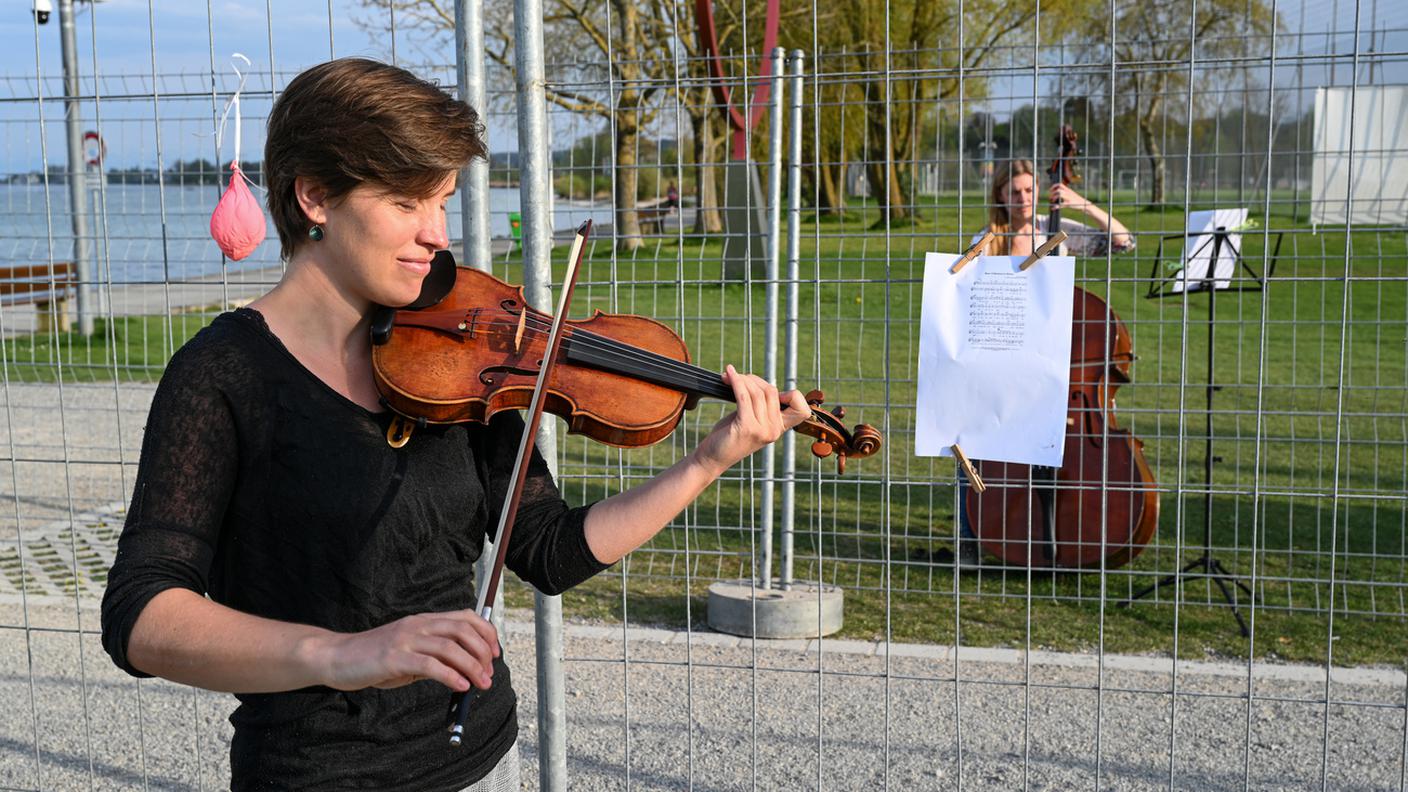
(456, 649)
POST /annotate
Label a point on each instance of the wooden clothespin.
(974, 480)
(973, 252)
(1051, 244)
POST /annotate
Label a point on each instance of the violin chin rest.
(436, 286)
(438, 282)
(382, 320)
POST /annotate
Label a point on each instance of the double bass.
(1101, 507)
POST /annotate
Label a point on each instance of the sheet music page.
(994, 358)
(1199, 248)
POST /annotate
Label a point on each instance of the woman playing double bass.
(1017, 231)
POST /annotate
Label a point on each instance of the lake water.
(128, 229)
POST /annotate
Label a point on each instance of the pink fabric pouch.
(237, 224)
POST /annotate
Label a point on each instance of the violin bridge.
(518, 334)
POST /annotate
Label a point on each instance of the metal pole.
(101, 275)
(534, 187)
(474, 189)
(474, 179)
(77, 169)
(789, 370)
(774, 245)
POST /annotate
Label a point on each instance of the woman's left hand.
(1064, 196)
(760, 419)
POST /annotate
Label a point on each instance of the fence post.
(77, 169)
(774, 245)
(794, 250)
(474, 189)
(534, 188)
(474, 178)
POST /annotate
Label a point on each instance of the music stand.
(1222, 246)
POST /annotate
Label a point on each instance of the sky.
(176, 39)
(184, 33)
(134, 38)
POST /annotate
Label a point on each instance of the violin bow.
(489, 586)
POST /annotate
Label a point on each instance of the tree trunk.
(912, 177)
(627, 218)
(1156, 159)
(833, 201)
(885, 188)
(843, 172)
(885, 185)
(901, 192)
(706, 212)
(629, 104)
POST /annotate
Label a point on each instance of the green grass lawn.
(1313, 368)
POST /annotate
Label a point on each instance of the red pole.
(709, 44)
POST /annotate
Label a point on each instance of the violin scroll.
(833, 438)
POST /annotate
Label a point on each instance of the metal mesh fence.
(1273, 415)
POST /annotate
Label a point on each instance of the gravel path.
(710, 712)
(693, 710)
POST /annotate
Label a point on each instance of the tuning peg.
(815, 397)
(838, 411)
(822, 449)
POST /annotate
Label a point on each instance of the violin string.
(612, 348)
(686, 375)
(662, 363)
(674, 370)
(618, 351)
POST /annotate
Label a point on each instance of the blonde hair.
(998, 221)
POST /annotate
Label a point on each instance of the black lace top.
(264, 488)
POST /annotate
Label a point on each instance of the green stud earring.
(316, 233)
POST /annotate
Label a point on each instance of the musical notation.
(997, 311)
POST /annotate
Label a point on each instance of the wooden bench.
(46, 286)
(652, 216)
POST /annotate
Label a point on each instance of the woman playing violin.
(279, 549)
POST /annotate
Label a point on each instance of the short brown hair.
(356, 121)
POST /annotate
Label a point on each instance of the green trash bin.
(515, 227)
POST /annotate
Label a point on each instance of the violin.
(619, 379)
(1101, 507)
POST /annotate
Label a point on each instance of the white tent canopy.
(1371, 186)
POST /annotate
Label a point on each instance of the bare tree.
(894, 49)
(644, 50)
(1153, 45)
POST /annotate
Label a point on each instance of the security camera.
(42, 10)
